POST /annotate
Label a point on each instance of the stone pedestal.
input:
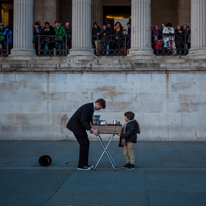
(198, 29)
(141, 25)
(81, 28)
(97, 12)
(23, 29)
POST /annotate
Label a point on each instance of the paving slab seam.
(179, 155)
(148, 200)
(157, 153)
(195, 150)
(99, 169)
(58, 189)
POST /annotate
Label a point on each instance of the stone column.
(141, 28)
(184, 11)
(198, 29)
(46, 11)
(97, 12)
(81, 28)
(23, 28)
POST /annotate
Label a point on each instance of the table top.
(108, 129)
(107, 125)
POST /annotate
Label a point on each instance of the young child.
(128, 138)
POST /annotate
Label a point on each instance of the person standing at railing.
(60, 31)
(156, 39)
(163, 26)
(118, 29)
(48, 30)
(68, 29)
(96, 31)
(169, 38)
(124, 40)
(189, 38)
(37, 31)
(186, 30)
(129, 28)
(109, 31)
(10, 39)
(2, 38)
(179, 39)
(103, 39)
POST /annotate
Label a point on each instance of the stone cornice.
(101, 64)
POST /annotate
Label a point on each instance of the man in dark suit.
(78, 124)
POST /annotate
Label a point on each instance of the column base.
(81, 52)
(142, 52)
(22, 53)
(197, 53)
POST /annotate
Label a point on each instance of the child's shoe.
(130, 167)
(125, 166)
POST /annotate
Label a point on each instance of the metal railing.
(52, 45)
(5, 48)
(112, 45)
(170, 44)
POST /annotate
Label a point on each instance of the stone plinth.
(23, 29)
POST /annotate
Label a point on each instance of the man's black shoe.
(125, 166)
(92, 166)
(130, 167)
(84, 168)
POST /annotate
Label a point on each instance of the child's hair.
(130, 115)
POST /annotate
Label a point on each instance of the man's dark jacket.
(131, 132)
(94, 33)
(80, 121)
(50, 32)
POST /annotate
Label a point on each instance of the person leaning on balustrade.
(2, 37)
(59, 30)
(169, 42)
(156, 39)
(10, 39)
(96, 31)
(68, 30)
(37, 31)
(179, 37)
(48, 31)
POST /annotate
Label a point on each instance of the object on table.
(102, 122)
(45, 160)
(95, 119)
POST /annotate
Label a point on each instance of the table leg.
(105, 151)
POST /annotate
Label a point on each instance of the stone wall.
(38, 97)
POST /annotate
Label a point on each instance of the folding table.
(107, 129)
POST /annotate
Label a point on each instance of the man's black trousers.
(84, 149)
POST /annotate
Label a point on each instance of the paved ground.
(167, 174)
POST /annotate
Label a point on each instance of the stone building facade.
(167, 94)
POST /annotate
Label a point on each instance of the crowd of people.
(4, 33)
(109, 38)
(173, 40)
(105, 39)
(48, 40)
